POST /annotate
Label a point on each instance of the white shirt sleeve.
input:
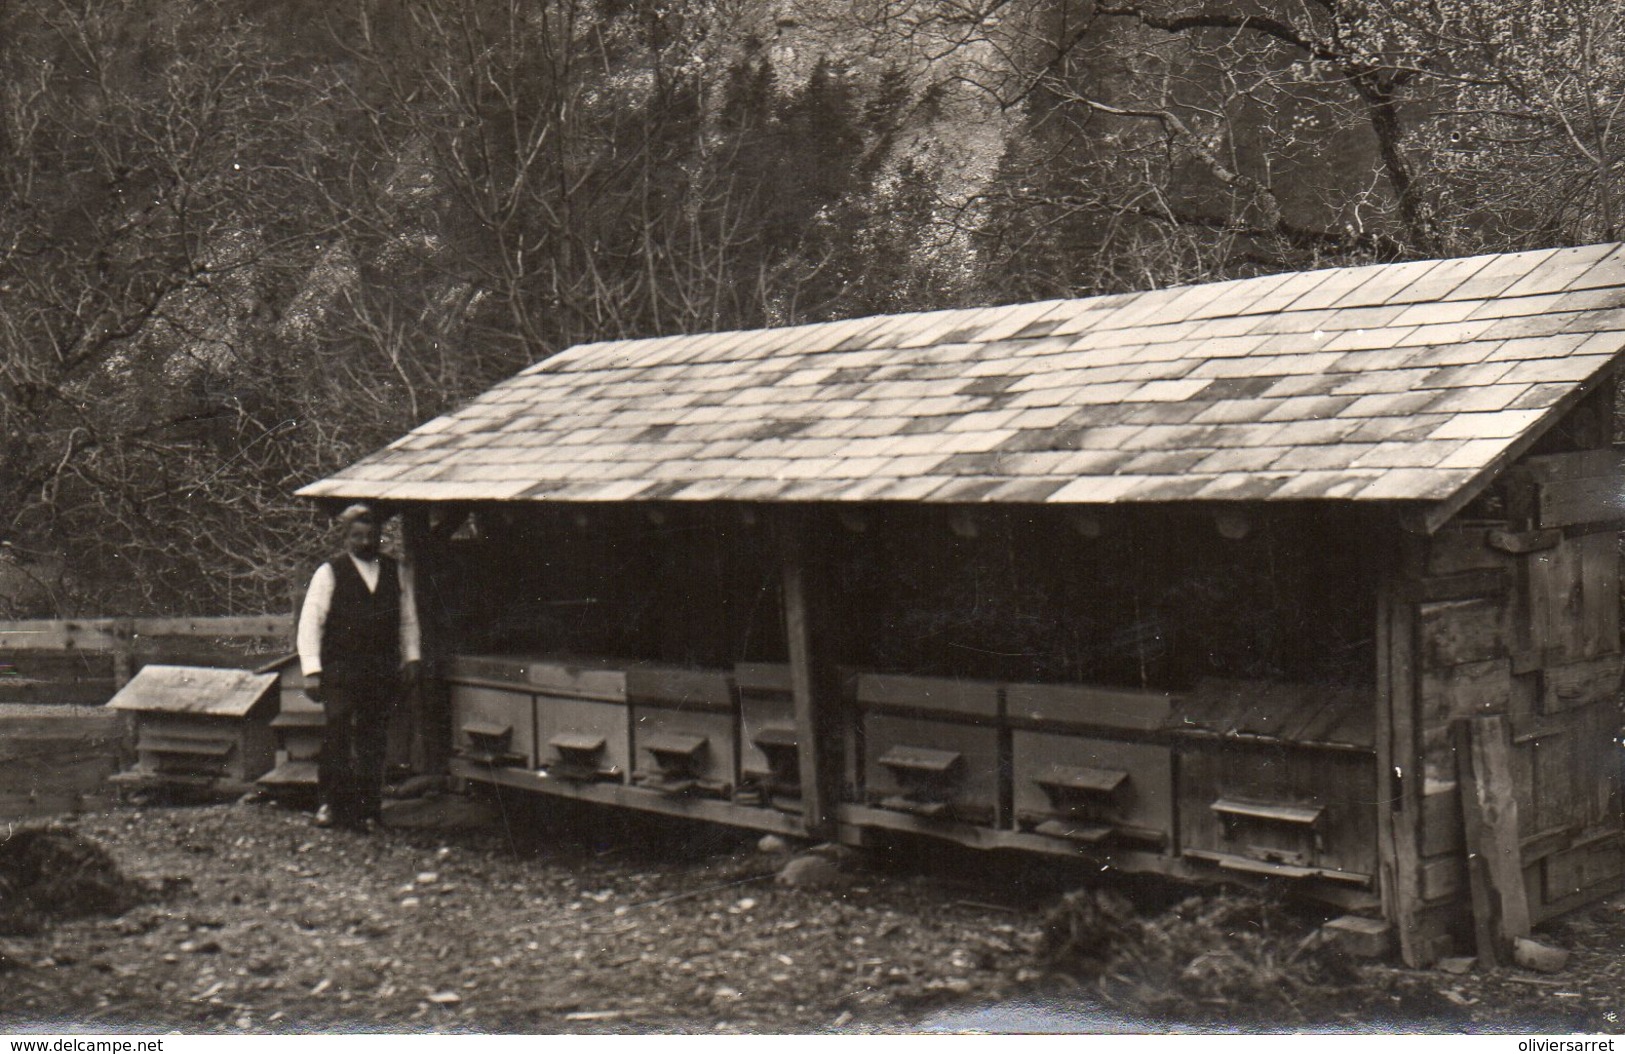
(411, 634)
(313, 618)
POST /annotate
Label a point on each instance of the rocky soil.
(491, 917)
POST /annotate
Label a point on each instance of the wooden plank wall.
(84, 661)
(1519, 619)
(1566, 721)
(54, 759)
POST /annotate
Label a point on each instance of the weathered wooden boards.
(1516, 670)
(83, 661)
(1494, 853)
(194, 690)
(815, 682)
(1399, 797)
(108, 634)
(53, 758)
(1577, 488)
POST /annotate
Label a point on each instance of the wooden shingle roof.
(194, 690)
(1410, 382)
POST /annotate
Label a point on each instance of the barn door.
(1565, 712)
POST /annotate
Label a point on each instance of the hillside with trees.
(243, 244)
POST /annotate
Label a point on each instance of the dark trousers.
(350, 767)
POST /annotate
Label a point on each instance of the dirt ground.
(254, 922)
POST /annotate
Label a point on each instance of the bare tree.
(1172, 140)
(235, 257)
(145, 197)
(1528, 150)
(240, 247)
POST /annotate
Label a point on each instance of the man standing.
(359, 647)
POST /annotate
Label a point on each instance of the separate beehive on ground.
(199, 727)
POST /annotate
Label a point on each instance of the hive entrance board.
(491, 742)
(782, 774)
(678, 760)
(927, 778)
(580, 757)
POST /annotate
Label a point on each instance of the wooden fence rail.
(86, 660)
(115, 634)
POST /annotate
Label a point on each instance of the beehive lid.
(1324, 715)
(762, 677)
(680, 686)
(566, 676)
(199, 690)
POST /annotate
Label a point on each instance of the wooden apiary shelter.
(1309, 579)
(198, 726)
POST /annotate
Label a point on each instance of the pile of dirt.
(52, 873)
(1221, 954)
(1086, 930)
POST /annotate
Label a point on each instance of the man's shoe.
(324, 816)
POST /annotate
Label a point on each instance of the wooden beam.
(1494, 853)
(110, 635)
(1467, 585)
(446, 520)
(1495, 795)
(815, 684)
(1592, 499)
(1399, 776)
(57, 635)
(1478, 880)
(429, 703)
(226, 626)
(1518, 543)
(123, 652)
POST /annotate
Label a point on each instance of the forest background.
(243, 244)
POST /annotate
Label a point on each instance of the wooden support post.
(1478, 880)
(1494, 854)
(429, 704)
(814, 678)
(1399, 777)
(123, 651)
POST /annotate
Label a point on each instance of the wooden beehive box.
(1278, 778)
(493, 711)
(1087, 763)
(684, 730)
(198, 726)
(769, 744)
(583, 729)
(561, 717)
(931, 746)
(297, 728)
(769, 753)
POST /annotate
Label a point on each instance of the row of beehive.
(1246, 776)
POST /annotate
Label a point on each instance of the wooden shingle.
(1397, 382)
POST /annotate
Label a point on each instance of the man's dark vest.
(361, 639)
